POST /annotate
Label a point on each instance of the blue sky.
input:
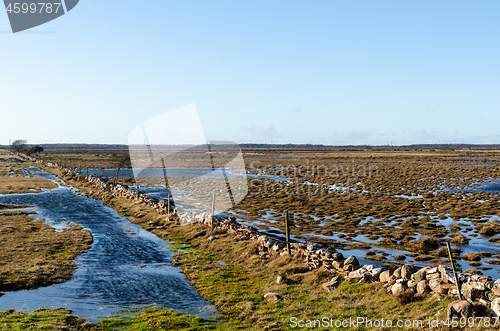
(326, 72)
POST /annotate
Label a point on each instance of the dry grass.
(34, 255)
(17, 185)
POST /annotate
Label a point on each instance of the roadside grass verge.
(42, 319)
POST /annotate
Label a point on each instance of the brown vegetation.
(34, 255)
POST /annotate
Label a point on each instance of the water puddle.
(126, 267)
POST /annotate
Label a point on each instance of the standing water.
(126, 267)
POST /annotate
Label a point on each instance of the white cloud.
(259, 133)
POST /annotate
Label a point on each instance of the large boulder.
(337, 256)
(480, 286)
(351, 260)
(433, 283)
(434, 275)
(399, 288)
(385, 276)
(443, 288)
(361, 273)
(495, 307)
(495, 288)
(377, 271)
(407, 270)
(460, 309)
(411, 283)
(419, 275)
(397, 273)
(469, 292)
(423, 287)
(337, 264)
(490, 296)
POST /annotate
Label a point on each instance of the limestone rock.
(419, 275)
(460, 309)
(397, 273)
(443, 288)
(337, 256)
(336, 279)
(469, 292)
(398, 288)
(433, 275)
(337, 265)
(495, 307)
(478, 286)
(331, 285)
(272, 297)
(282, 280)
(385, 276)
(496, 287)
(423, 287)
(377, 271)
(411, 283)
(491, 296)
(350, 267)
(407, 270)
(364, 272)
(351, 260)
(435, 282)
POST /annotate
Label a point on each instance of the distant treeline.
(82, 148)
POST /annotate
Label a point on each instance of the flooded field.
(382, 209)
(125, 267)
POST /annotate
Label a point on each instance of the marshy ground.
(388, 205)
(33, 254)
(408, 202)
(13, 180)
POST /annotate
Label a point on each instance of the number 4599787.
(32, 8)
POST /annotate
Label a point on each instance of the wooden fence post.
(213, 205)
(287, 232)
(454, 271)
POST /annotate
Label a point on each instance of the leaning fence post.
(168, 202)
(454, 271)
(213, 205)
(287, 232)
(164, 173)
